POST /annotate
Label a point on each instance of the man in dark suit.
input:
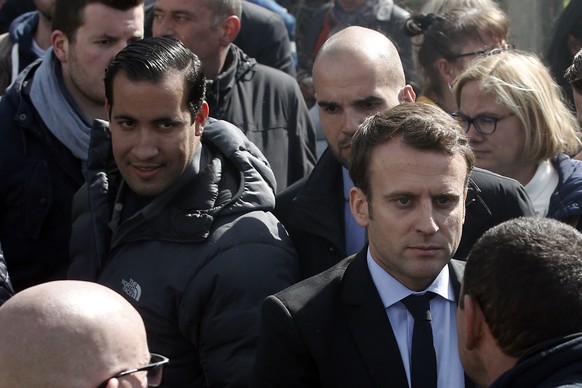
(358, 73)
(350, 326)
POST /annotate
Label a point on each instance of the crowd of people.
(195, 194)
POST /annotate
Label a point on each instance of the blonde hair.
(520, 82)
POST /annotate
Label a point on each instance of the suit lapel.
(369, 325)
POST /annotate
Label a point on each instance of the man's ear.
(231, 28)
(446, 70)
(406, 94)
(359, 206)
(60, 45)
(201, 117)
(474, 322)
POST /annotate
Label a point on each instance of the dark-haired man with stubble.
(46, 116)
(520, 312)
(176, 217)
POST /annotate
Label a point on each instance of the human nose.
(145, 146)
(426, 220)
(163, 26)
(352, 121)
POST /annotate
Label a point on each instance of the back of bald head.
(67, 334)
(363, 47)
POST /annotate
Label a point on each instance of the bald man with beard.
(72, 334)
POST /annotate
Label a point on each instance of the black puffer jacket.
(196, 262)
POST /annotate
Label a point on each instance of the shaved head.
(357, 73)
(69, 334)
(362, 46)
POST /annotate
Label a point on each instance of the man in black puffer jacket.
(178, 219)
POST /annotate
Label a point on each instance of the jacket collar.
(318, 208)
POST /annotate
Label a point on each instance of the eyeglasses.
(493, 51)
(485, 125)
(155, 370)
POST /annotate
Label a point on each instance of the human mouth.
(426, 251)
(145, 171)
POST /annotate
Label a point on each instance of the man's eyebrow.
(327, 104)
(367, 100)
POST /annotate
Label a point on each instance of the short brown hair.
(418, 125)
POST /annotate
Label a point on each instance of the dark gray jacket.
(196, 262)
(269, 107)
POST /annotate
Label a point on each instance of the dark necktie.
(423, 367)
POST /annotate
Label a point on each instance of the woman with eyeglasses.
(445, 44)
(519, 126)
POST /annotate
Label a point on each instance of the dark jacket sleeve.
(273, 366)
(220, 311)
(6, 290)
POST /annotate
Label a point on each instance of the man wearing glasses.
(74, 334)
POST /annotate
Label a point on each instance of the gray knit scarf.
(58, 110)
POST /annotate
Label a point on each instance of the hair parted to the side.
(152, 59)
(520, 82)
(441, 36)
(68, 14)
(526, 276)
(418, 125)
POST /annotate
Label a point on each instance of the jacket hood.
(257, 185)
(23, 27)
(237, 66)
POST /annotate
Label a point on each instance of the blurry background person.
(520, 127)
(28, 39)
(520, 310)
(565, 43)
(71, 334)
(573, 76)
(440, 7)
(445, 44)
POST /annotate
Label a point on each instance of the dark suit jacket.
(331, 330)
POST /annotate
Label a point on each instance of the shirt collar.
(392, 291)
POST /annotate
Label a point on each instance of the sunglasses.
(155, 370)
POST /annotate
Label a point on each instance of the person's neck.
(214, 67)
(444, 100)
(43, 33)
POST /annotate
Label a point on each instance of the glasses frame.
(162, 360)
(471, 121)
(486, 52)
